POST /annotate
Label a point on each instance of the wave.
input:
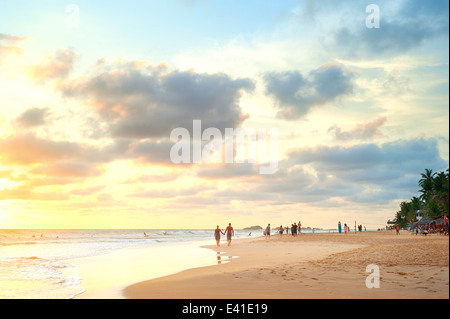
(19, 243)
(50, 279)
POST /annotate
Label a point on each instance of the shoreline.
(317, 266)
(106, 276)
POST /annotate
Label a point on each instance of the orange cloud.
(8, 45)
(27, 193)
(54, 67)
(28, 149)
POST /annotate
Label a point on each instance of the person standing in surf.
(230, 232)
(217, 233)
(267, 232)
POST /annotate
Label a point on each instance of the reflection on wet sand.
(219, 257)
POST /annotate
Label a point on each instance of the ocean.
(35, 264)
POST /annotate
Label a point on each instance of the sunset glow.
(89, 98)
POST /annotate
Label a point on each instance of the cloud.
(29, 149)
(150, 151)
(225, 171)
(296, 95)
(396, 84)
(54, 67)
(6, 173)
(11, 38)
(365, 173)
(403, 26)
(46, 162)
(390, 169)
(88, 191)
(68, 169)
(400, 154)
(49, 162)
(138, 100)
(168, 177)
(364, 131)
(170, 193)
(37, 181)
(33, 117)
(27, 193)
(8, 45)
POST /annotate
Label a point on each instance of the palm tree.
(434, 197)
(440, 192)
(416, 203)
(426, 182)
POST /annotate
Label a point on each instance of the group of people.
(295, 229)
(347, 228)
(229, 231)
(428, 230)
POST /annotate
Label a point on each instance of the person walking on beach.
(230, 232)
(268, 231)
(345, 229)
(280, 230)
(299, 227)
(217, 233)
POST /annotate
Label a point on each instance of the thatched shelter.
(425, 221)
(439, 222)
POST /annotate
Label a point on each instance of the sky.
(90, 93)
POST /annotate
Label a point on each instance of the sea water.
(34, 263)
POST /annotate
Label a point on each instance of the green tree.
(439, 193)
(426, 184)
(434, 198)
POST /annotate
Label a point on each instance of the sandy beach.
(319, 266)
